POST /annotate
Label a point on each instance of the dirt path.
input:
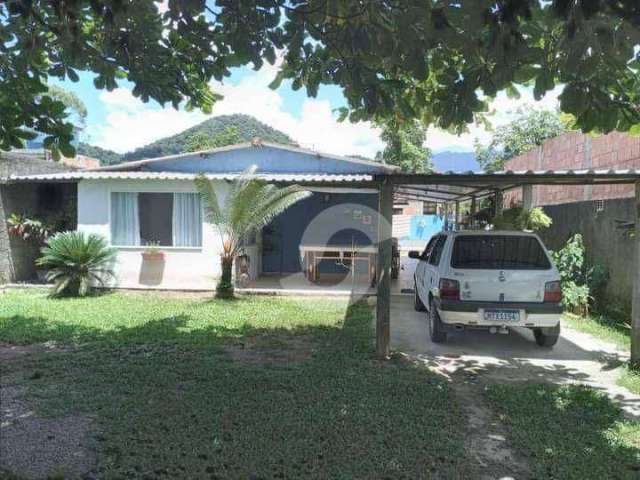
(32, 445)
(486, 441)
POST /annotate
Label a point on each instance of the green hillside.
(106, 157)
(246, 126)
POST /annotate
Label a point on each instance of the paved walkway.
(577, 357)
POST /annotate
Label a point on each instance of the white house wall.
(184, 267)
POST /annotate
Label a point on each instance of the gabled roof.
(141, 164)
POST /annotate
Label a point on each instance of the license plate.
(502, 315)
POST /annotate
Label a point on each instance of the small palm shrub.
(250, 205)
(76, 261)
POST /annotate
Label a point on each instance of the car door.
(421, 271)
(432, 276)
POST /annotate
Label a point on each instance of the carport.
(452, 188)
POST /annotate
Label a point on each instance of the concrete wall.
(51, 203)
(578, 151)
(605, 244)
(16, 258)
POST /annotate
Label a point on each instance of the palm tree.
(249, 205)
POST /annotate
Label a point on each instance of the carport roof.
(437, 187)
(459, 186)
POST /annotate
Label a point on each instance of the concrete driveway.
(577, 357)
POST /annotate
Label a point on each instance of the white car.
(488, 279)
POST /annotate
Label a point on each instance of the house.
(152, 205)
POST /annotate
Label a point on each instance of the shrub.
(517, 218)
(579, 280)
(76, 261)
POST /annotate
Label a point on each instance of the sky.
(118, 121)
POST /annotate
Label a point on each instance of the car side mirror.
(414, 254)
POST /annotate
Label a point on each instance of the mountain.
(455, 161)
(247, 127)
(106, 157)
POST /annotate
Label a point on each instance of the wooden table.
(311, 255)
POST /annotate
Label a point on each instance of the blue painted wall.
(267, 159)
(423, 227)
(281, 239)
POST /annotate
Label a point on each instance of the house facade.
(150, 211)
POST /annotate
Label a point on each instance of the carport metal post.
(635, 308)
(383, 297)
(527, 196)
(498, 203)
(446, 217)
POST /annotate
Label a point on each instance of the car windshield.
(499, 252)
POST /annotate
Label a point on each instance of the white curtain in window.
(125, 219)
(187, 220)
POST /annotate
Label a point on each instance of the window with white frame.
(163, 219)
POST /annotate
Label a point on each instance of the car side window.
(428, 248)
(434, 259)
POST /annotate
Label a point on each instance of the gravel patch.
(251, 351)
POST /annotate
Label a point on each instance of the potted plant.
(152, 252)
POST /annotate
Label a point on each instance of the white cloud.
(503, 108)
(129, 123)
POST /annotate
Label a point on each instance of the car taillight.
(552, 292)
(449, 289)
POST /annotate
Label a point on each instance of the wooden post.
(635, 306)
(383, 298)
(498, 204)
(473, 212)
(527, 197)
(457, 226)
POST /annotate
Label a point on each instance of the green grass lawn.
(173, 398)
(272, 387)
(602, 327)
(568, 432)
(615, 332)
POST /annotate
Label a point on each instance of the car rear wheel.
(436, 329)
(418, 306)
(547, 337)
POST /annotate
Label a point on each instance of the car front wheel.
(548, 336)
(436, 329)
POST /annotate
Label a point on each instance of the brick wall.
(576, 151)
